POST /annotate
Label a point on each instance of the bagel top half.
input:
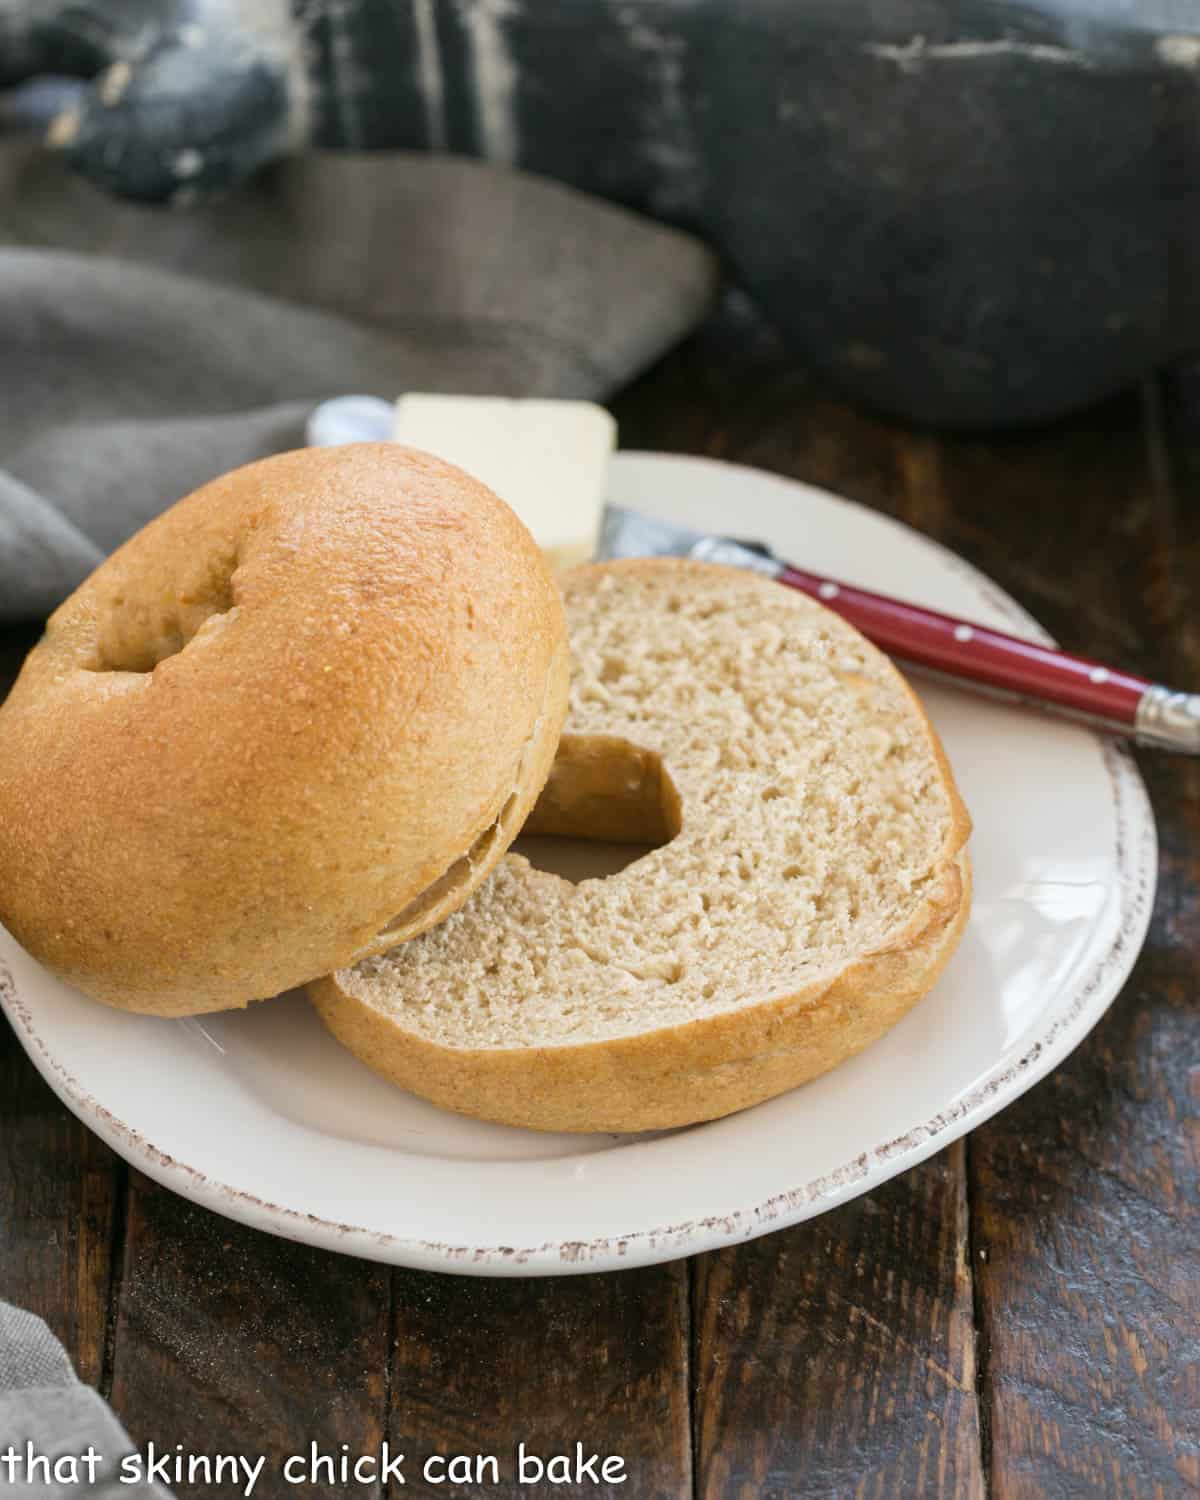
(292, 722)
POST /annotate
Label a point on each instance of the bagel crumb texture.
(810, 884)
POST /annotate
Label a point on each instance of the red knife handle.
(976, 653)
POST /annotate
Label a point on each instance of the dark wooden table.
(1018, 1317)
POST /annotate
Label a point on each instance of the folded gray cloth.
(142, 351)
(51, 1426)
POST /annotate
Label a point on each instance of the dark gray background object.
(979, 213)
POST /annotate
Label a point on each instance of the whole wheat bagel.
(810, 884)
(292, 722)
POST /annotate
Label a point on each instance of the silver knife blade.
(628, 533)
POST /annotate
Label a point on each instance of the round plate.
(260, 1115)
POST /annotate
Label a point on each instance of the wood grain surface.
(837, 1359)
(1019, 1316)
(60, 1190)
(229, 1341)
(479, 1366)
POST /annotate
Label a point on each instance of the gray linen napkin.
(142, 351)
(47, 1418)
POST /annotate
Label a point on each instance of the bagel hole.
(607, 804)
(139, 632)
(576, 859)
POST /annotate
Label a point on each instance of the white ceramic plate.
(261, 1116)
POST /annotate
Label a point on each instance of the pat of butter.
(547, 459)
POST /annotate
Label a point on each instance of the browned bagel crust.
(679, 1075)
(271, 722)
